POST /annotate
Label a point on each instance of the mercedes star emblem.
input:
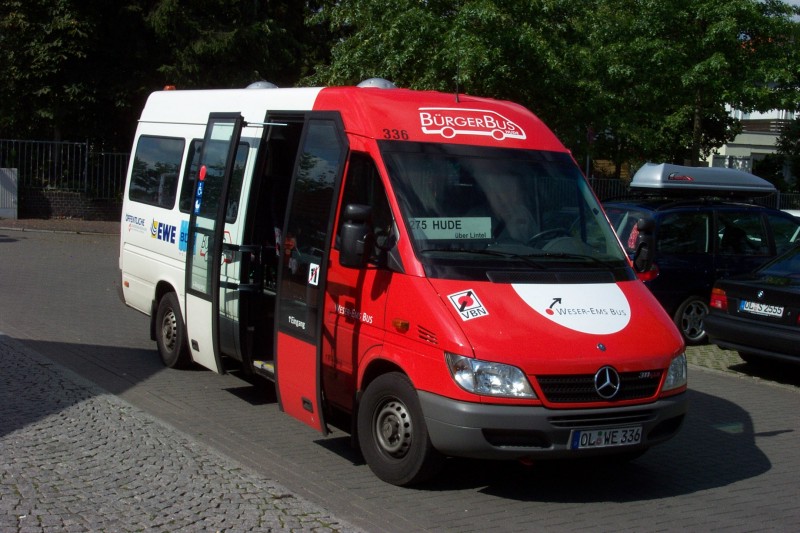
(607, 382)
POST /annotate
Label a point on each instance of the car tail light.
(649, 275)
(719, 300)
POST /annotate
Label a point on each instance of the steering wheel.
(548, 233)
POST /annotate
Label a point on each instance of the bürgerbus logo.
(449, 122)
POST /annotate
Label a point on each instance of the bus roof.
(380, 113)
(193, 106)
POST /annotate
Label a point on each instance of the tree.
(232, 43)
(789, 148)
(650, 79)
(82, 69)
(664, 76)
(502, 48)
(42, 42)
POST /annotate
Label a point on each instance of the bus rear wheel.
(392, 433)
(171, 333)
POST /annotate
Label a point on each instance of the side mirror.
(645, 245)
(357, 235)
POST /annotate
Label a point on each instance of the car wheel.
(690, 319)
(392, 433)
(171, 333)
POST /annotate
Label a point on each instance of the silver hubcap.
(169, 330)
(692, 322)
(393, 428)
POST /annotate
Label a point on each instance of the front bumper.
(481, 431)
(773, 341)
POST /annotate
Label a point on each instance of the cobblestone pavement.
(714, 358)
(57, 432)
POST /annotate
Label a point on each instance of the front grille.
(516, 438)
(603, 419)
(581, 389)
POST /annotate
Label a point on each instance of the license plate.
(757, 308)
(603, 438)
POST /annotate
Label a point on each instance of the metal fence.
(73, 166)
(65, 166)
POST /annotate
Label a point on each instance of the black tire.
(171, 333)
(392, 433)
(690, 319)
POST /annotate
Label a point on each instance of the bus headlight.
(487, 378)
(676, 375)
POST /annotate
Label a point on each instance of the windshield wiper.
(564, 255)
(505, 255)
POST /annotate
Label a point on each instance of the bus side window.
(154, 177)
(363, 186)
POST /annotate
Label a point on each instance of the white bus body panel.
(153, 244)
(193, 107)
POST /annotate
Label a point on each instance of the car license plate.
(602, 438)
(757, 308)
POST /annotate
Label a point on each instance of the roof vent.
(262, 85)
(380, 83)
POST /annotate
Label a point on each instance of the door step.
(265, 369)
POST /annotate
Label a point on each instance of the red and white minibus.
(432, 267)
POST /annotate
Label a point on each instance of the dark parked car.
(758, 314)
(700, 230)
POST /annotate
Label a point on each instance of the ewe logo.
(163, 232)
(449, 122)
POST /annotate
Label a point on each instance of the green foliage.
(642, 79)
(82, 69)
(771, 169)
(225, 43)
(41, 41)
(625, 80)
(789, 148)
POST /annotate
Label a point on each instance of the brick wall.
(39, 203)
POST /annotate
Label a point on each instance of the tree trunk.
(697, 131)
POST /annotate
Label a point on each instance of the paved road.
(75, 458)
(195, 450)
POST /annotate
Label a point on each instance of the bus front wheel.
(171, 333)
(392, 433)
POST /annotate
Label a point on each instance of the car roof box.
(675, 180)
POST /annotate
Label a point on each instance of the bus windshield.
(479, 204)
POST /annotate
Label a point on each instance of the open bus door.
(306, 236)
(206, 227)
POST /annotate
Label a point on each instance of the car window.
(784, 231)
(786, 266)
(742, 233)
(624, 223)
(683, 233)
